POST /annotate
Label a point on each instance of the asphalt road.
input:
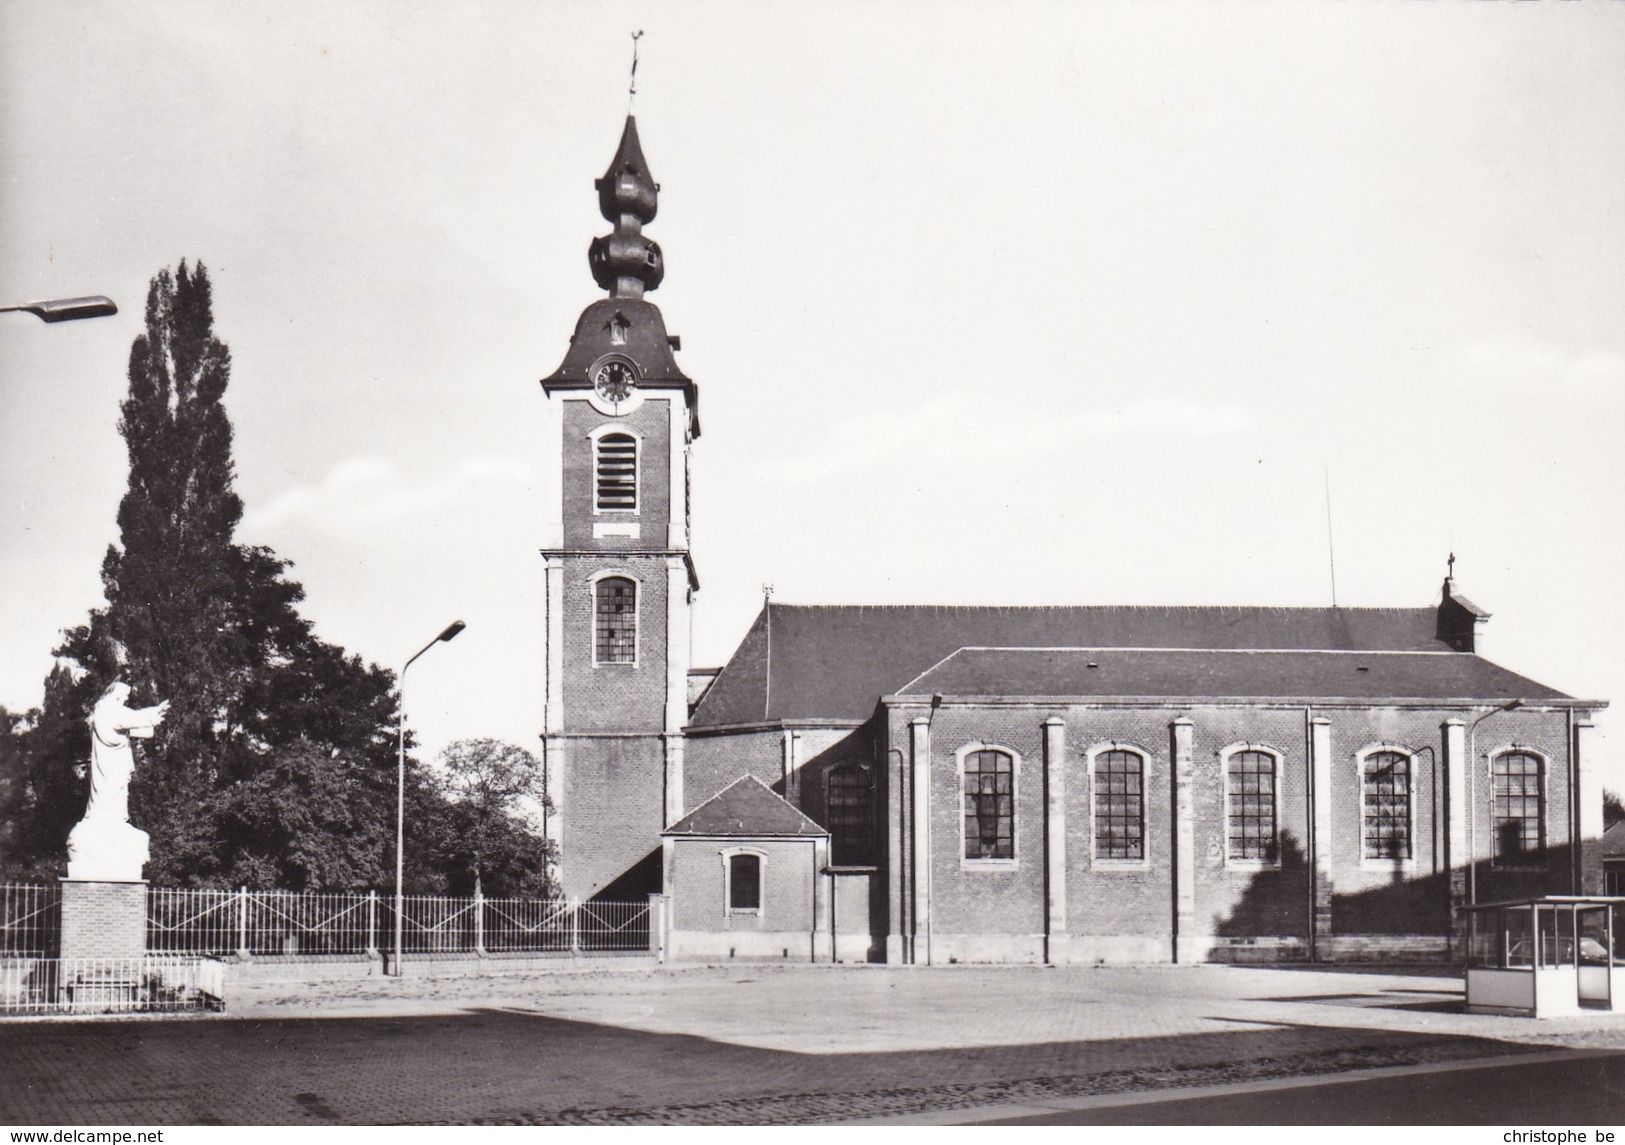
(1586, 1092)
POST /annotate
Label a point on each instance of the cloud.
(1509, 364)
(365, 493)
(944, 426)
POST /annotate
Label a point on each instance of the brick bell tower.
(620, 580)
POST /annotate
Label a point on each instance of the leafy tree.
(46, 785)
(1613, 809)
(494, 789)
(261, 710)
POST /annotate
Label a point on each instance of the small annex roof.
(834, 662)
(1613, 841)
(1189, 673)
(746, 808)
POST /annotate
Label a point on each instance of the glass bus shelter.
(1544, 957)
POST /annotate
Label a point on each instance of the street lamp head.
(68, 309)
(452, 630)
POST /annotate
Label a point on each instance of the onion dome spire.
(624, 262)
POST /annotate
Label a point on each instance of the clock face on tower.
(614, 385)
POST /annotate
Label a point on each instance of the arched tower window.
(615, 472)
(851, 817)
(615, 628)
(1519, 791)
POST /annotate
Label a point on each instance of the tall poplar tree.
(259, 707)
(275, 766)
(170, 581)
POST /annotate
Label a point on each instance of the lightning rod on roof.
(632, 84)
(1331, 549)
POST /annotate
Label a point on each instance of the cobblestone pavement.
(740, 1045)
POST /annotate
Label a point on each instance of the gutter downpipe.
(1576, 866)
(906, 808)
(1309, 831)
(1472, 797)
(930, 897)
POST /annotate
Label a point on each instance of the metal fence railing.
(245, 922)
(30, 920)
(356, 924)
(249, 923)
(110, 985)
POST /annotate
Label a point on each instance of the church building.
(1066, 784)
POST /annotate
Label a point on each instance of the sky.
(1182, 303)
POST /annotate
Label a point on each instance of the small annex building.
(1078, 783)
(1613, 860)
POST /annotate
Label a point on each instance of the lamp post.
(1472, 797)
(450, 633)
(67, 309)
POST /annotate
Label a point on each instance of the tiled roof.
(747, 807)
(836, 661)
(1191, 673)
(1613, 840)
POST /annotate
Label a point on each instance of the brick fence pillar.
(104, 922)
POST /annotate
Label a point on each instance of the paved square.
(743, 1045)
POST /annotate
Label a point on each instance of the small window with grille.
(1119, 788)
(1386, 801)
(615, 630)
(1250, 807)
(615, 468)
(990, 805)
(1515, 778)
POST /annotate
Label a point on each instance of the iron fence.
(110, 985)
(30, 920)
(251, 924)
(245, 922)
(521, 925)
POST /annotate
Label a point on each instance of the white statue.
(104, 847)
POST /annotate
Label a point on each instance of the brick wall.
(1546, 733)
(614, 697)
(1113, 898)
(712, 762)
(698, 885)
(651, 423)
(1248, 910)
(612, 810)
(1377, 897)
(1231, 899)
(987, 896)
(103, 920)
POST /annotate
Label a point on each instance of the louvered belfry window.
(1387, 806)
(616, 471)
(615, 635)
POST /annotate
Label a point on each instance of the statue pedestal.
(104, 928)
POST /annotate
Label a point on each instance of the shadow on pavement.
(520, 1066)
